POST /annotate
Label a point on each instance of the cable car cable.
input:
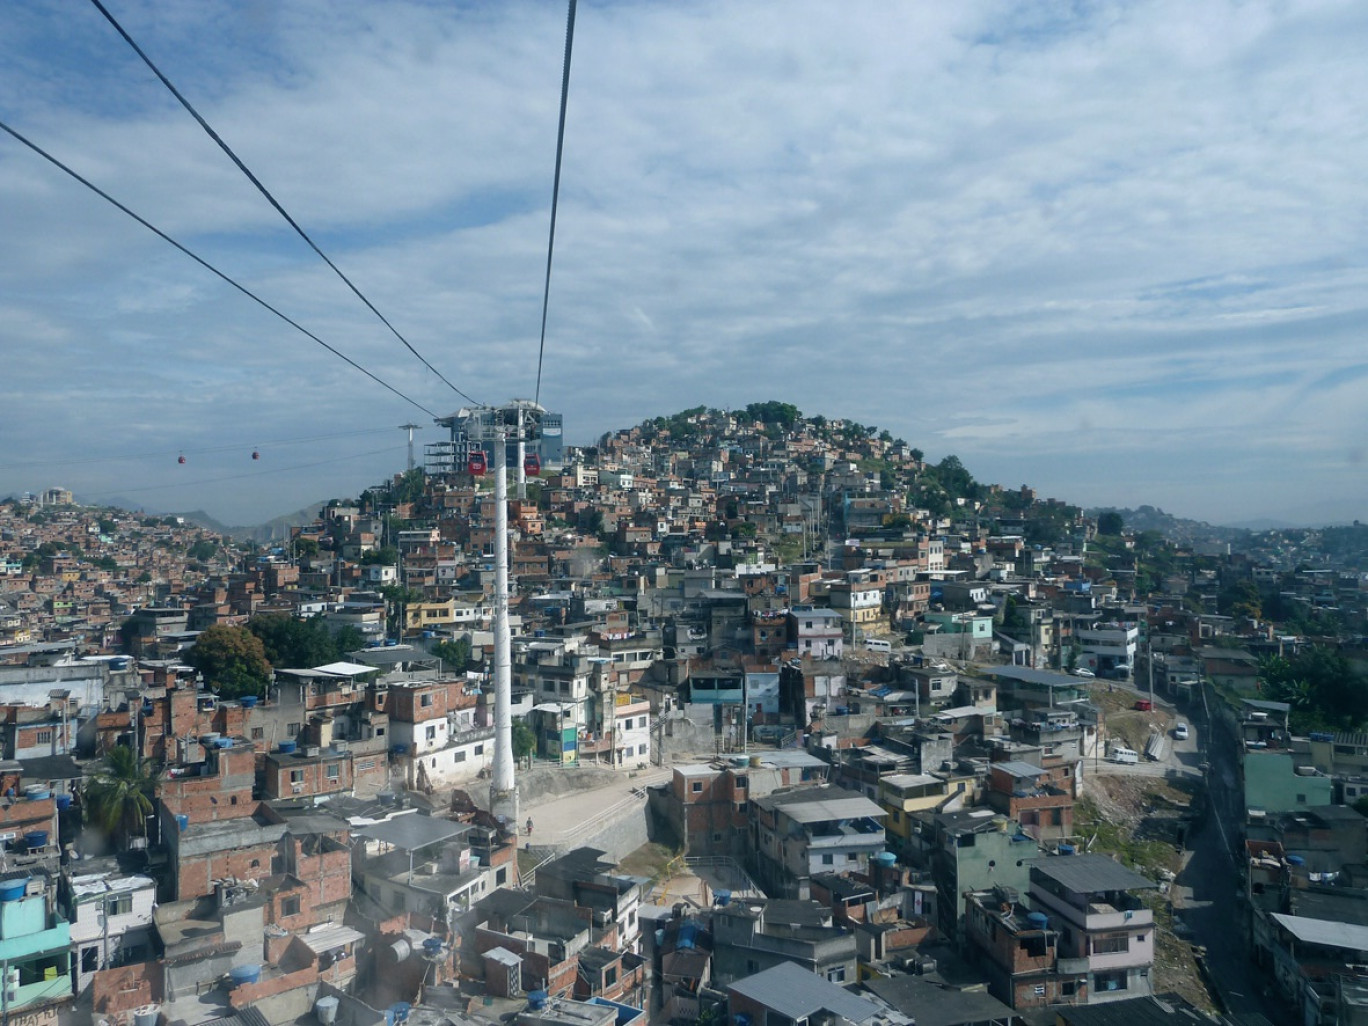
(256, 473)
(555, 188)
(208, 266)
(269, 442)
(270, 198)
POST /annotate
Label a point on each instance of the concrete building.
(1094, 903)
(111, 920)
(811, 830)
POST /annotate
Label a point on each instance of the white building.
(111, 922)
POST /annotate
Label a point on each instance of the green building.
(35, 944)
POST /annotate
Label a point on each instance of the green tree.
(349, 639)
(290, 641)
(118, 798)
(232, 659)
(524, 741)
(397, 599)
(385, 555)
(1110, 523)
(455, 655)
(306, 548)
(108, 526)
(202, 550)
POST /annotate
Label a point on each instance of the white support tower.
(503, 788)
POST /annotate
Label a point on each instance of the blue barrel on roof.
(1038, 920)
(722, 898)
(182, 821)
(287, 747)
(64, 801)
(1066, 849)
(224, 742)
(13, 890)
(886, 858)
(536, 999)
(432, 946)
(241, 974)
(249, 701)
(1295, 860)
(36, 839)
(400, 1012)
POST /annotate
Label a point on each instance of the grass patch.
(1105, 837)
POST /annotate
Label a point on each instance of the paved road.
(1209, 892)
(559, 819)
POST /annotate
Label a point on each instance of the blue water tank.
(182, 822)
(224, 742)
(1295, 860)
(400, 1011)
(887, 858)
(13, 890)
(36, 839)
(241, 974)
(536, 999)
(1038, 920)
(1066, 849)
(249, 701)
(64, 801)
(287, 747)
(722, 898)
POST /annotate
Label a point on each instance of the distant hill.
(1176, 529)
(274, 530)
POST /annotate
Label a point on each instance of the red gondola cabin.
(475, 462)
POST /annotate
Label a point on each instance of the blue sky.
(1112, 250)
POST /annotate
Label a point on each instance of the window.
(1110, 944)
(431, 733)
(334, 771)
(698, 787)
(90, 960)
(1039, 990)
(426, 700)
(44, 737)
(610, 976)
(289, 906)
(827, 860)
(118, 904)
(258, 733)
(836, 975)
(479, 749)
(296, 776)
(458, 757)
(1301, 798)
(1070, 988)
(292, 730)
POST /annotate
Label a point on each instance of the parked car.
(1180, 732)
(1083, 671)
(1144, 705)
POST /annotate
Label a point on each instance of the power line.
(555, 187)
(272, 200)
(208, 266)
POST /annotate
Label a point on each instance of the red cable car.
(475, 463)
(256, 455)
(180, 459)
(532, 465)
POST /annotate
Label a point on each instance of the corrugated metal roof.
(792, 991)
(858, 807)
(1018, 768)
(410, 832)
(1325, 931)
(1088, 874)
(330, 937)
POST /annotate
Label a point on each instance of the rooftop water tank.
(287, 747)
(249, 701)
(242, 974)
(1066, 849)
(13, 890)
(182, 821)
(1038, 920)
(146, 1015)
(536, 999)
(887, 858)
(1296, 860)
(325, 1009)
(64, 801)
(36, 839)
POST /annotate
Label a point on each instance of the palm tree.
(119, 797)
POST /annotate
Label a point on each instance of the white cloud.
(1106, 247)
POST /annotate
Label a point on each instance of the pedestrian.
(529, 826)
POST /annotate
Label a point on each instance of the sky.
(1113, 250)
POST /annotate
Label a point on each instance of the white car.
(1180, 732)
(1083, 671)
